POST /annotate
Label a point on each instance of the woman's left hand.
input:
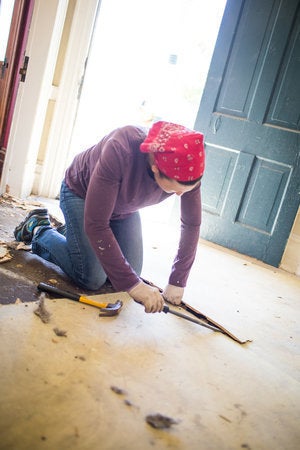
(173, 294)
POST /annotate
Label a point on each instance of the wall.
(291, 257)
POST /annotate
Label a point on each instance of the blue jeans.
(74, 254)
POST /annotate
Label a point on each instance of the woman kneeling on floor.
(101, 194)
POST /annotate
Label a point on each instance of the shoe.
(35, 218)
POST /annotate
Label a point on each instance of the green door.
(249, 114)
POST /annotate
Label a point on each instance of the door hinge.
(23, 69)
(4, 66)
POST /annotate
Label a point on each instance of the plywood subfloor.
(93, 388)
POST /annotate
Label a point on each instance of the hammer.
(107, 309)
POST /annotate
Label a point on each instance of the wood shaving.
(4, 253)
(23, 246)
(19, 203)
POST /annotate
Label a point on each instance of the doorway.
(147, 60)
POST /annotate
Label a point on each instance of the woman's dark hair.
(184, 183)
(190, 182)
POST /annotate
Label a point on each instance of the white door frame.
(67, 96)
(18, 176)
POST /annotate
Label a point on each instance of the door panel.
(249, 114)
(284, 108)
(261, 201)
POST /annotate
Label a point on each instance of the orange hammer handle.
(71, 295)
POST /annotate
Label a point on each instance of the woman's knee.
(92, 283)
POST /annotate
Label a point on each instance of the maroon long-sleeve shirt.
(114, 179)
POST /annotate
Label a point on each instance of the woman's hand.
(149, 296)
(173, 294)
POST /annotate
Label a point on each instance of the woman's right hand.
(149, 296)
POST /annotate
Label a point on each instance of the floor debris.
(81, 357)
(159, 421)
(60, 333)
(4, 253)
(127, 402)
(41, 310)
(224, 418)
(118, 391)
(17, 202)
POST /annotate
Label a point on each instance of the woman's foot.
(35, 218)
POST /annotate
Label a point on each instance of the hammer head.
(112, 309)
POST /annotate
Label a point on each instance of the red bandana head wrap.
(178, 151)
